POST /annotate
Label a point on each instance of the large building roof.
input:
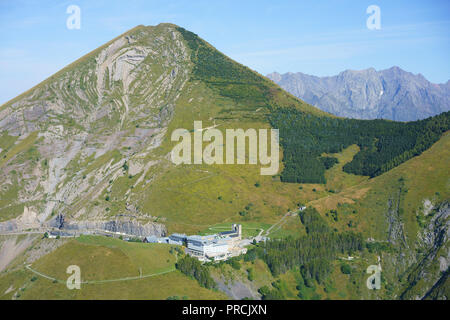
(178, 235)
(210, 239)
(228, 232)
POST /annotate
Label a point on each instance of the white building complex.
(213, 247)
(217, 246)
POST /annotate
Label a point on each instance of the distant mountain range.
(369, 94)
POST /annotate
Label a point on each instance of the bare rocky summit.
(369, 94)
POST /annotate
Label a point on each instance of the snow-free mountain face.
(369, 94)
(92, 142)
(80, 127)
(89, 150)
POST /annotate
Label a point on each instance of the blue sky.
(315, 37)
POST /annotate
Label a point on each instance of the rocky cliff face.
(369, 94)
(127, 225)
(75, 137)
(419, 270)
(431, 269)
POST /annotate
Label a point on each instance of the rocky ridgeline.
(369, 94)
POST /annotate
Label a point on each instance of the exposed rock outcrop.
(123, 224)
(27, 220)
(91, 124)
(431, 269)
(369, 94)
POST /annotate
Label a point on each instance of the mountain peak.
(368, 70)
(392, 93)
(275, 76)
(102, 122)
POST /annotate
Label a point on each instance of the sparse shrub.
(346, 269)
(250, 274)
(234, 263)
(251, 255)
(271, 294)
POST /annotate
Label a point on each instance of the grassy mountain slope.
(93, 143)
(108, 117)
(403, 214)
(106, 263)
